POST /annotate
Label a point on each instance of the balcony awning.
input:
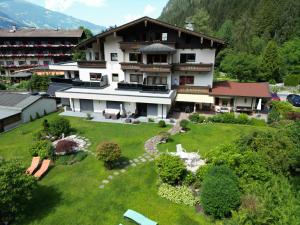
(157, 48)
(195, 98)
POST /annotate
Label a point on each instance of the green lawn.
(70, 194)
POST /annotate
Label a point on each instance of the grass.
(69, 194)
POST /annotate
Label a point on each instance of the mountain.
(24, 14)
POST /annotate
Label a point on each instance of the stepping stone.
(110, 177)
(133, 164)
(116, 173)
(105, 181)
(123, 171)
(136, 160)
(143, 160)
(101, 186)
(131, 161)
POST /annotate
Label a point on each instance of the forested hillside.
(262, 35)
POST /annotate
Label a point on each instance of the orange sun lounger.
(44, 167)
(34, 165)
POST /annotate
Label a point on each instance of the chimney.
(189, 25)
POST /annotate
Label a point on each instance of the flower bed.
(70, 144)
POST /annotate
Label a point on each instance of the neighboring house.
(146, 67)
(17, 108)
(28, 48)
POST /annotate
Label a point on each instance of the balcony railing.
(153, 68)
(135, 45)
(199, 67)
(182, 89)
(92, 64)
(142, 87)
(83, 84)
(37, 46)
(130, 66)
(9, 55)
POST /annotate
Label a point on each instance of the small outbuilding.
(17, 108)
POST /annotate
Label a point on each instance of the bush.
(162, 123)
(257, 122)
(196, 118)
(37, 115)
(164, 136)
(295, 116)
(45, 125)
(189, 178)
(59, 126)
(243, 119)
(31, 118)
(45, 112)
(223, 118)
(273, 116)
(89, 116)
(151, 120)
(184, 124)
(65, 146)
(292, 80)
(136, 122)
(220, 193)
(2, 86)
(42, 148)
(109, 152)
(178, 195)
(282, 107)
(170, 169)
(202, 172)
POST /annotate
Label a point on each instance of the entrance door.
(141, 109)
(152, 110)
(86, 105)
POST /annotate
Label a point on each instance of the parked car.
(275, 97)
(294, 100)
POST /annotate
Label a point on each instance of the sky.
(105, 12)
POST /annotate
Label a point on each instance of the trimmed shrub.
(164, 136)
(109, 152)
(31, 118)
(282, 107)
(202, 172)
(162, 123)
(196, 118)
(2, 86)
(89, 116)
(136, 122)
(189, 178)
(170, 169)
(37, 115)
(45, 125)
(178, 195)
(223, 118)
(184, 124)
(220, 193)
(243, 119)
(42, 148)
(151, 120)
(65, 147)
(45, 112)
(59, 126)
(292, 80)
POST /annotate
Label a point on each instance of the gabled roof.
(230, 88)
(158, 22)
(17, 100)
(32, 32)
(157, 48)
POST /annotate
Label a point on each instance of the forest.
(262, 36)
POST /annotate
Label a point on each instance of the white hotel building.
(146, 67)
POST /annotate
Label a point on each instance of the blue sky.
(105, 12)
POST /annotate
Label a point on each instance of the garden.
(72, 191)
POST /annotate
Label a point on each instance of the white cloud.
(62, 5)
(148, 11)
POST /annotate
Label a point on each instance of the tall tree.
(201, 21)
(270, 67)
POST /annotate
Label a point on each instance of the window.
(187, 58)
(162, 58)
(9, 63)
(155, 80)
(95, 76)
(164, 36)
(46, 63)
(135, 57)
(33, 62)
(21, 63)
(1, 63)
(183, 80)
(114, 56)
(136, 78)
(115, 77)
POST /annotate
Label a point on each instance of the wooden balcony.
(192, 89)
(156, 68)
(199, 67)
(92, 64)
(135, 45)
(130, 66)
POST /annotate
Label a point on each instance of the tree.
(290, 53)
(270, 67)
(226, 32)
(109, 152)
(201, 21)
(170, 169)
(78, 55)
(220, 193)
(87, 32)
(59, 126)
(16, 190)
(39, 83)
(240, 66)
(42, 148)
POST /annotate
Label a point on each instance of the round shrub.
(184, 124)
(202, 172)
(196, 118)
(242, 119)
(164, 136)
(189, 178)
(220, 192)
(65, 147)
(108, 152)
(42, 148)
(162, 123)
(2, 86)
(59, 126)
(170, 169)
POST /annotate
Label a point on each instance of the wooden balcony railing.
(192, 89)
(156, 68)
(130, 66)
(92, 64)
(199, 67)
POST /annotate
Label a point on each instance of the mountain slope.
(23, 13)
